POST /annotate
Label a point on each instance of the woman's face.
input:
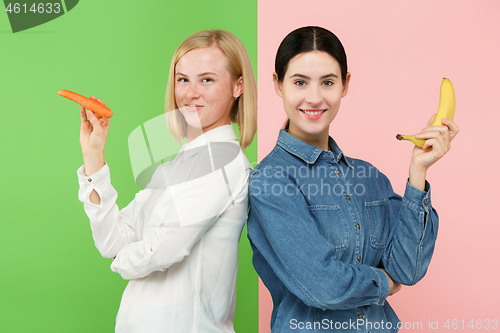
(204, 88)
(311, 91)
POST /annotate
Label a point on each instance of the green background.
(53, 279)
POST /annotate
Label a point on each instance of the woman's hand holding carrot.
(93, 133)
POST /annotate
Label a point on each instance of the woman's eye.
(182, 79)
(299, 83)
(207, 79)
(328, 83)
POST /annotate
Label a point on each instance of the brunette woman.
(331, 239)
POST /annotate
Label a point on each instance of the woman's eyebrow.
(207, 73)
(202, 74)
(308, 78)
(329, 75)
(301, 76)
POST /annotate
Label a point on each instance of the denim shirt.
(321, 225)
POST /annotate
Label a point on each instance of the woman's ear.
(346, 84)
(238, 87)
(277, 85)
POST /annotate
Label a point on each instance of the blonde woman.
(177, 241)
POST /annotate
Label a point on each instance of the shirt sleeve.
(284, 233)
(409, 249)
(182, 214)
(112, 229)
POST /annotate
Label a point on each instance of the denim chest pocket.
(378, 220)
(332, 225)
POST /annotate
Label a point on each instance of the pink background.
(398, 52)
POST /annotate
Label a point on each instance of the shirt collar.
(306, 152)
(218, 134)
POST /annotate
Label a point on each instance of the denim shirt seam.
(254, 172)
(419, 261)
(423, 226)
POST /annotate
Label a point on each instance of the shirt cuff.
(383, 285)
(96, 181)
(417, 199)
(95, 177)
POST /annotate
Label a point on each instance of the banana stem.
(412, 138)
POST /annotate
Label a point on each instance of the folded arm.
(411, 243)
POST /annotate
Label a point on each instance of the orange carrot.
(87, 103)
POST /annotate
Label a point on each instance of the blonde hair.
(244, 110)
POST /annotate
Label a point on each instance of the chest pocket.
(378, 219)
(332, 225)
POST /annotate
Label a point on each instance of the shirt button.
(151, 249)
(361, 316)
(90, 180)
(358, 226)
(348, 197)
(337, 172)
(359, 258)
(426, 201)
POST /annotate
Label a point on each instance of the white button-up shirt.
(177, 241)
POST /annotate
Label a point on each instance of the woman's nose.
(193, 91)
(313, 95)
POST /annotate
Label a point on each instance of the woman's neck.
(193, 133)
(319, 140)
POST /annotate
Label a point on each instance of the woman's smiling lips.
(193, 107)
(313, 113)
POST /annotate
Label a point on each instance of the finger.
(428, 144)
(104, 122)
(443, 130)
(442, 146)
(100, 101)
(431, 132)
(433, 139)
(452, 127)
(98, 117)
(94, 121)
(437, 144)
(448, 126)
(446, 132)
(83, 115)
(95, 114)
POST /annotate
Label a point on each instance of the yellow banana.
(446, 110)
